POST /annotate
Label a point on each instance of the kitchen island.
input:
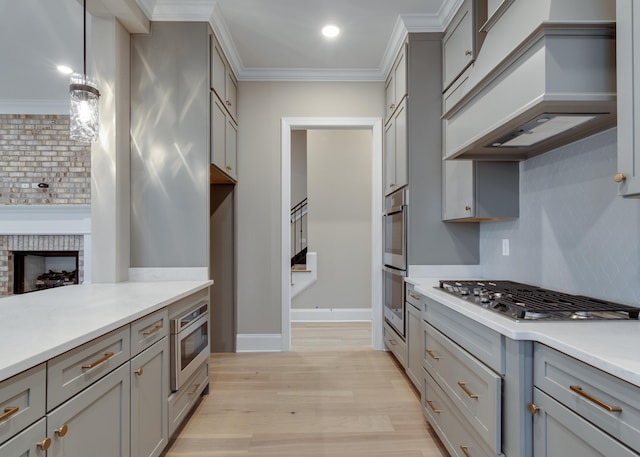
(87, 369)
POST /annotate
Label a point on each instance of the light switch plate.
(505, 246)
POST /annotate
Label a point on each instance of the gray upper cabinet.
(223, 81)
(224, 133)
(461, 40)
(395, 153)
(396, 83)
(480, 191)
(628, 70)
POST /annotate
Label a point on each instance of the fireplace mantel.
(45, 220)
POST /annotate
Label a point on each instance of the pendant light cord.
(84, 41)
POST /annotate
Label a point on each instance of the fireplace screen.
(37, 270)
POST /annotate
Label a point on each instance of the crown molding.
(222, 33)
(447, 11)
(178, 10)
(310, 74)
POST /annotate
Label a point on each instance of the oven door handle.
(395, 210)
(394, 271)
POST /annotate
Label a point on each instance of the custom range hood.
(544, 77)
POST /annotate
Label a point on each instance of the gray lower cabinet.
(557, 431)
(149, 392)
(32, 442)
(94, 423)
(415, 344)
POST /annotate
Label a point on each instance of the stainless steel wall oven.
(189, 343)
(395, 258)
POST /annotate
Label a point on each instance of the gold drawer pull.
(105, 357)
(8, 412)
(62, 431)
(228, 103)
(463, 386)
(467, 53)
(416, 297)
(153, 330)
(392, 342)
(533, 408)
(465, 450)
(195, 389)
(45, 444)
(432, 355)
(139, 371)
(619, 177)
(437, 411)
(392, 106)
(600, 403)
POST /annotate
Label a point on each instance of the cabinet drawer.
(454, 431)
(483, 343)
(415, 298)
(471, 386)
(26, 443)
(78, 368)
(22, 401)
(456, 91)
(149, 330)
(181, 402)
(395, 344)
(559, 432)
(590, 393)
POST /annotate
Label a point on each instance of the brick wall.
(36, 149)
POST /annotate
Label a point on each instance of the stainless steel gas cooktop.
(523, 302)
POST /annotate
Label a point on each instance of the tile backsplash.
(574, 233)
(36, 149)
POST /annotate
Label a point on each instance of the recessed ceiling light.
(64, 69)
(330, 31)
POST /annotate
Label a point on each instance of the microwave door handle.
(394, 271)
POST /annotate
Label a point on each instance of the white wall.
(262, 105)
(298, 166)
(339, 191)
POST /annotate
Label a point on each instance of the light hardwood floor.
(332, 396)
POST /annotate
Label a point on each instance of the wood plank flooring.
(331, 396)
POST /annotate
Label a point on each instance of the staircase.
(304, 271)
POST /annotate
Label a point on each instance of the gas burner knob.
(484, 296)
(464, 291)
(476, 291)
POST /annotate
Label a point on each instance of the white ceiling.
(264, 39)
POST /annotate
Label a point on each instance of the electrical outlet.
(505, 246)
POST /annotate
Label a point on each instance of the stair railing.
(299, 227)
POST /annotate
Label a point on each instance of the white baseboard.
(259, 343)
(330, 314)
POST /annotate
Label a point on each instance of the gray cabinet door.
(149, 393)
(457, 190)
(31, 442)
(557, 431)
(457, 44)
(415, 345)
(94, 423)
(231, 149)
(628, 69)
(390, 157)
(218, 133)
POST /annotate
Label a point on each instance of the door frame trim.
(351, 123)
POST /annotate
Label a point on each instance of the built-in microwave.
(189, 344)
(395, 230)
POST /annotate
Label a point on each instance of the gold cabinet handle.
(194, 390)
(229, 168)
(430, 403)
(392, 342)
(467, 53)
(45, 444)
(466, 390)
(591, 398)
(228, 103)
(533, 408)
(432, 355)
(392, 106)
(392, 185)
(139, 371)
(465, 450)
(155, 329)
(467, 208)
(62, 431)
(104, 358)
(619, 177)
(414, 296)
(8, 412)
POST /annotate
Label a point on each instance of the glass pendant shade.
(84, 125)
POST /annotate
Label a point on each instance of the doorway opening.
(374, 125)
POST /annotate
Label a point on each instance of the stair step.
(300, 269)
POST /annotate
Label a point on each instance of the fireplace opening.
(38, 270)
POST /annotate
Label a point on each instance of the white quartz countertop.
(40, 325)
(608, 345)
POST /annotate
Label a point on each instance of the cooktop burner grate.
(523, 301)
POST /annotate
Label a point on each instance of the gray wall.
(339, 192)
(574, 233)
(262, 105)
(298, 166)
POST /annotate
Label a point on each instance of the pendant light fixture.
(84, 125)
